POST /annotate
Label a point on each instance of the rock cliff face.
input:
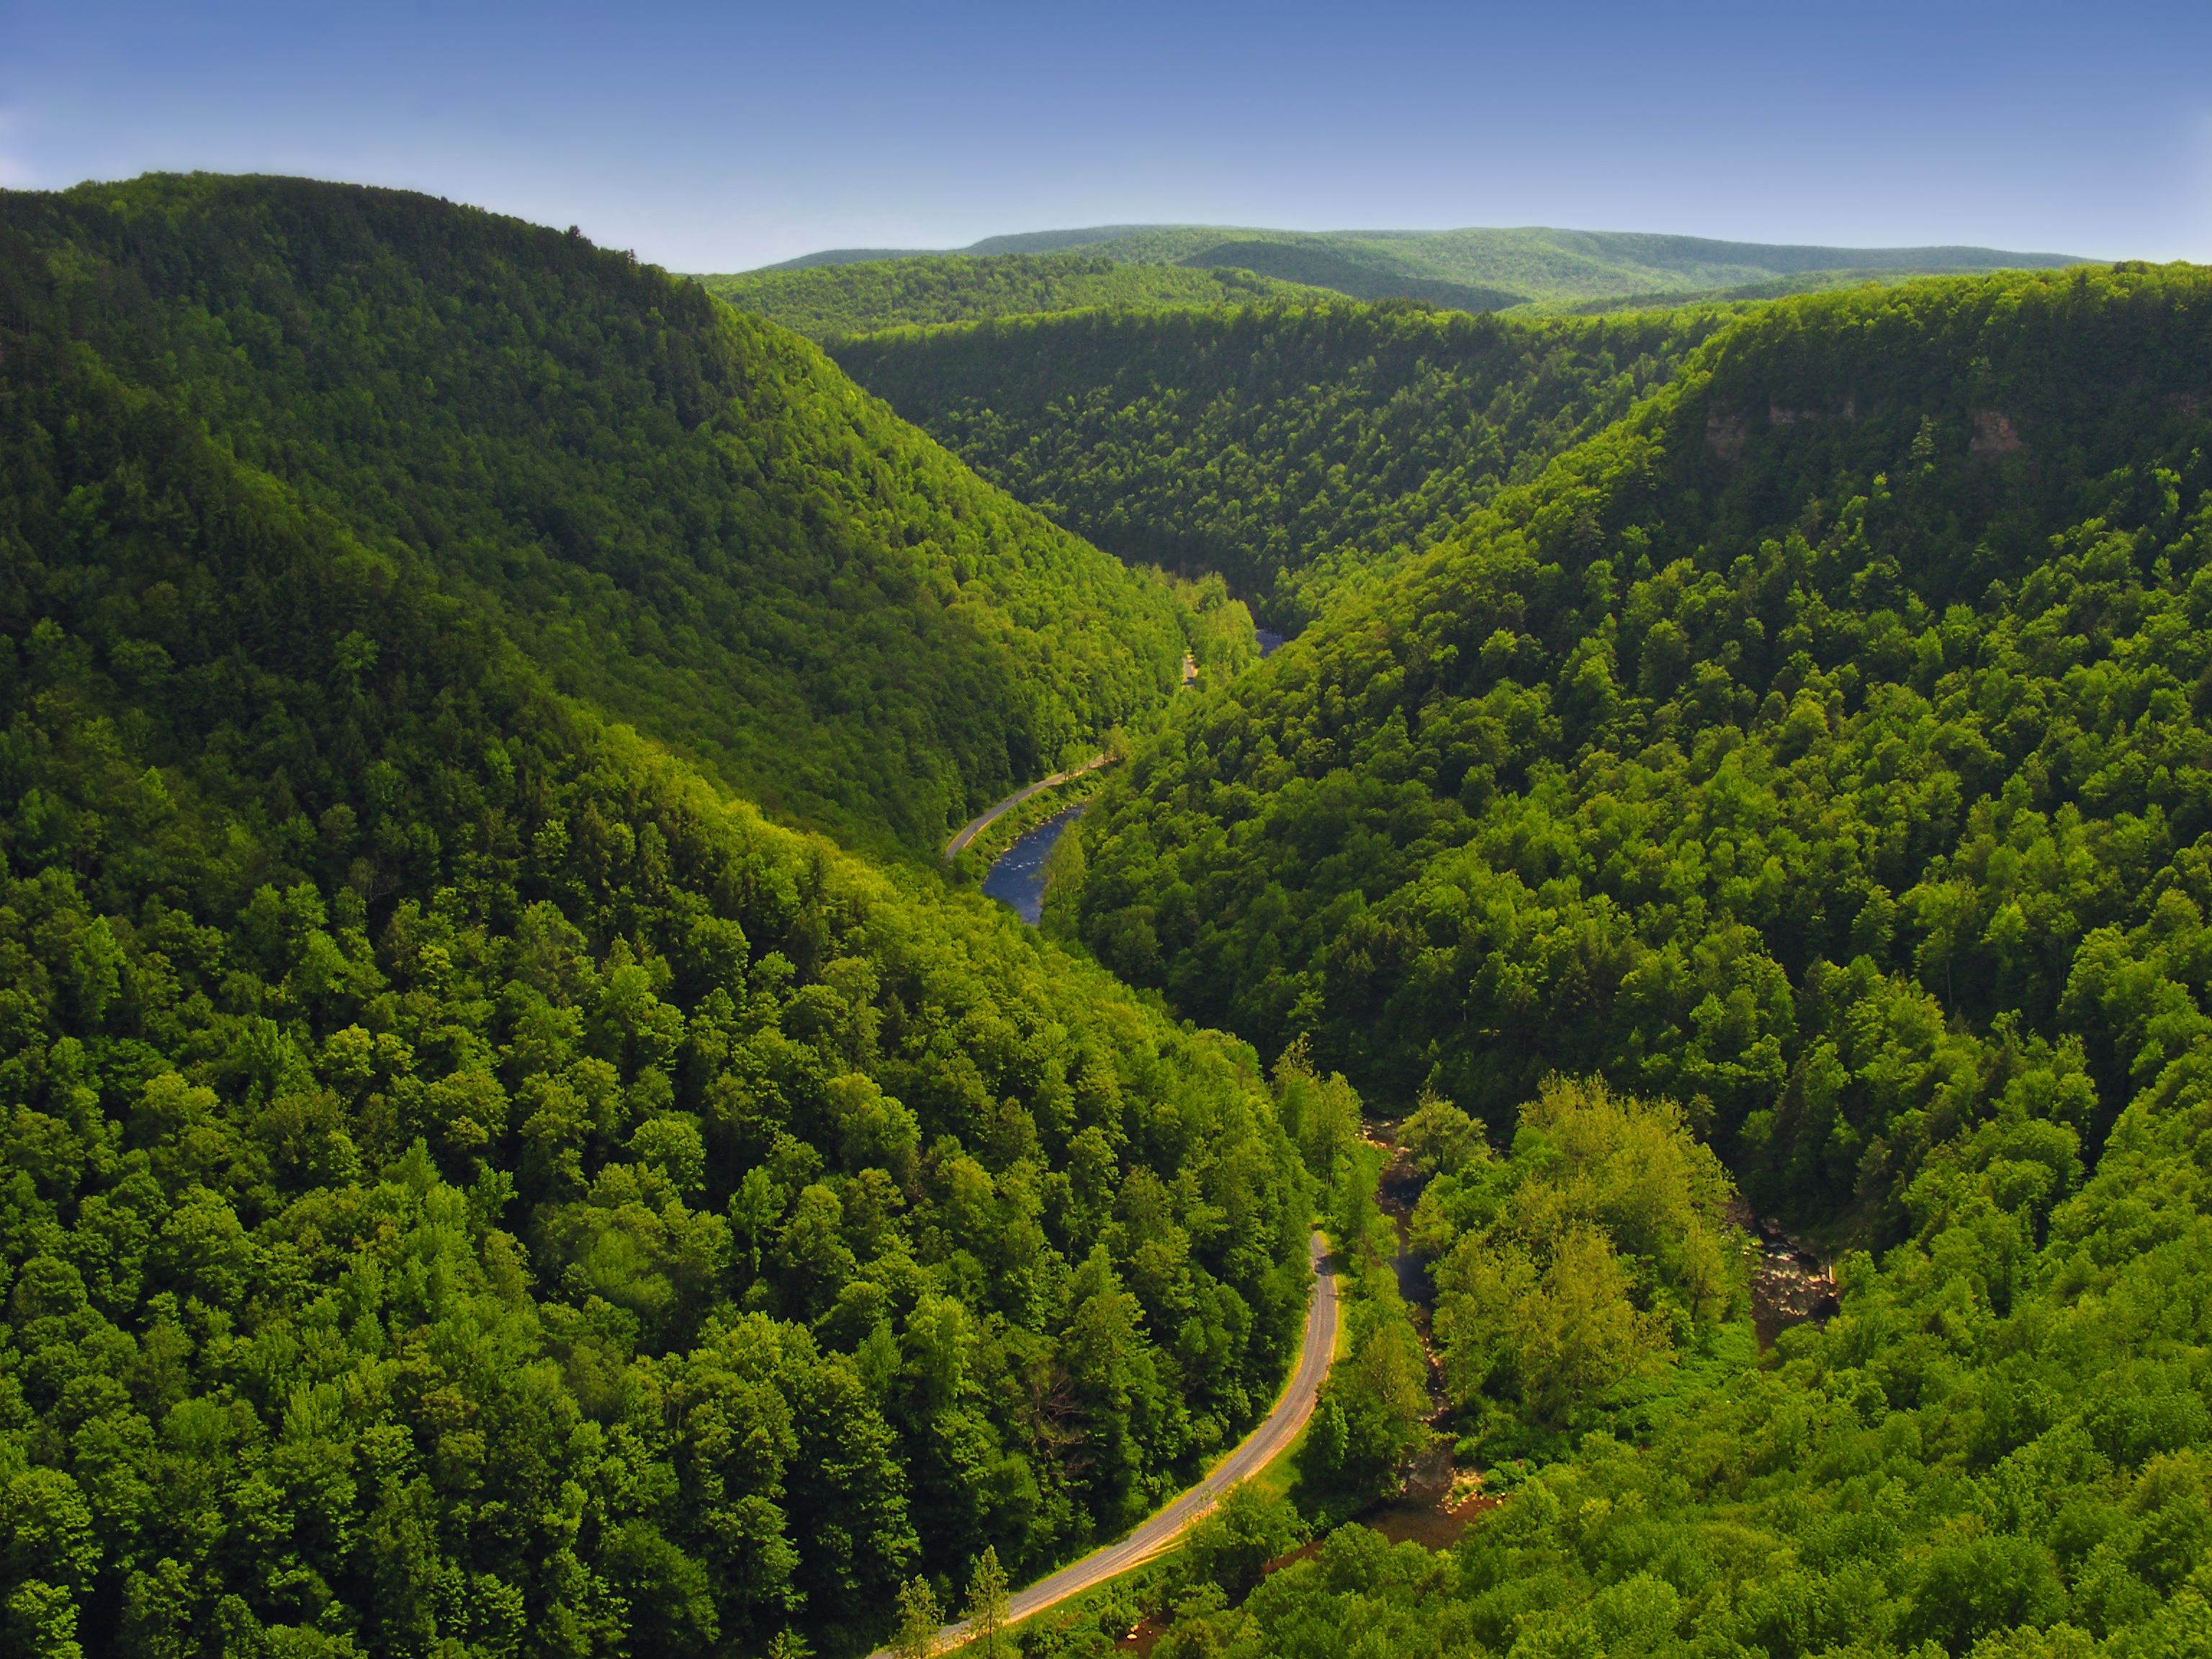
(1993, 433)
(1792, 1282)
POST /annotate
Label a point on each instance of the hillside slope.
(1291, 448)
(471, 1185)
(686, 514)
(829, 302)
(1822, 745)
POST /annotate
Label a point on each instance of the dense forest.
(826, 302)
(1289, 448)
(1817, 756)
(1822, 745)
(1998, 1448)
(471, 1185)
(685, 515)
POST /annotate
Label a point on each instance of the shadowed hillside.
(688, 515)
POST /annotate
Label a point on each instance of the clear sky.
(717, 137)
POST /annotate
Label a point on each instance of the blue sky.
(720, 137)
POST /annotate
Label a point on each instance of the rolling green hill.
(1294, 449)
(825, 302)
(1321, 265)
(1745, 295)
(1479, 269)
(688, 515)
(1562, 267)
(467, 1183)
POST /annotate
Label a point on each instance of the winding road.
(1158, 1533)
(976, 826)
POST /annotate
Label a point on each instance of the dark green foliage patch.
(1292, 449)
(683, 513)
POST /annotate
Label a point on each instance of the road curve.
(976, 826)
(1158, 1533)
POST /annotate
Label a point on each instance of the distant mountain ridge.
(1534, 265)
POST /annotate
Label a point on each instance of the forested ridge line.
(467, 1184)
(827, 302)
(685, 514)
(1479, 269)
(1294, 449)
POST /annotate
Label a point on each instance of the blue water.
(1017, 879)
(1268, 641)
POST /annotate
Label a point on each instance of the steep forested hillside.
(469, 1185)
(1289, 448)
(826, 302)
(686, 514)
(1824, 745)
(1822, 750)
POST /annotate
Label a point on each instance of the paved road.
(976, 826)
(1155, 1536)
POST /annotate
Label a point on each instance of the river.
(1017, 879)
